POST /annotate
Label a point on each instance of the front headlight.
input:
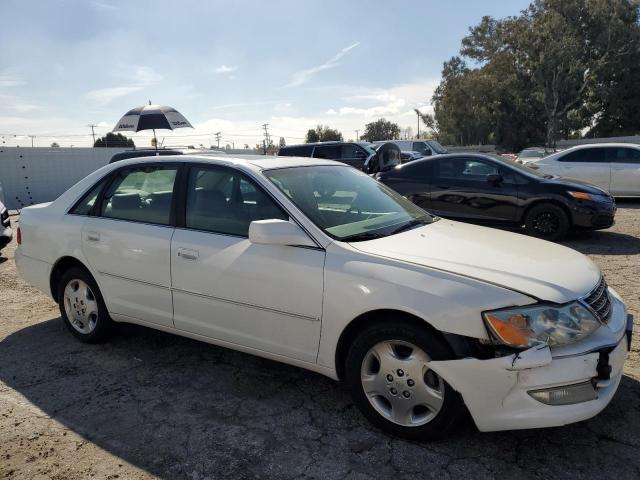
(525, 327)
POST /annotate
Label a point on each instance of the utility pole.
(218, 134)
(267, 139)
(357, 135)
(418, 114)
(32, 137)
(93, 133)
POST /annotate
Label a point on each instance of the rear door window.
(296, 151)
(142, 194)
(330, 152)
(458, 168)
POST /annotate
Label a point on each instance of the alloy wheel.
(399, 384)
(81, 306)
(546, 223)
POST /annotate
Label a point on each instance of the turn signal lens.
(512, 330)
(580, 195)
(19, 236)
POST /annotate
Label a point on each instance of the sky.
(228, 67)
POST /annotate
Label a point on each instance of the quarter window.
(86, 203)
(141, 195)
(223, 201)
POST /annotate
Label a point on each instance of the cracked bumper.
(495, 390)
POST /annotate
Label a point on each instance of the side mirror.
(494, 178)
(278, 232)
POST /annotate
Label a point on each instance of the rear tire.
(82, 307)
(547, 221)
(388, 376)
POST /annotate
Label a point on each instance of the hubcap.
(399, 384)
(546, 223)
(81, 306)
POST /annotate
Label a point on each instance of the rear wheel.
(547, 221)
(389, 377)
(82, 307)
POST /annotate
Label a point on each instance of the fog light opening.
(565, 395)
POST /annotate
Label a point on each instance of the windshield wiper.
(359, 237)
(408, 226)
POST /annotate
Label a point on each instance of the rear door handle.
(93, 236)
(187, 253)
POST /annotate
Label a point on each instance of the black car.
(491, 190)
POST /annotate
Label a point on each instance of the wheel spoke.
(385, 355)
(402, 412)
(430, 398)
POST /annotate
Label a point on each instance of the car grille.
(4, 218)
(600, 301)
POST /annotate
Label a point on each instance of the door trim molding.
(211, 297)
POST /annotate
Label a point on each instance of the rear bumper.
(496, 391)
(34, 271)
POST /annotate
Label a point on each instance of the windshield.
(437, 147)
(346, 203)
(532, 154)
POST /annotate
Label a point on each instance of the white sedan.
(612, 166)
(313, 263)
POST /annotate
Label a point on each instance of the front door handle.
(187, 253)
(93, 236)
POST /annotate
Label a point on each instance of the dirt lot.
(151, 405)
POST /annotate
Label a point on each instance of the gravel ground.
(151, 405)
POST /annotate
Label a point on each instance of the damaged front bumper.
(541, 387)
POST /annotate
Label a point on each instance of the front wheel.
(389, 377)
(547, 221)
(82, 307)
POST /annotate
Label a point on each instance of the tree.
(114, 140)
(55, 145)
(282, 142)
(322, 133)
(380, 130)
(558, 68)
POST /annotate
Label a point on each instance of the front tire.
(82, 307)
(388, 376)
(547, 221)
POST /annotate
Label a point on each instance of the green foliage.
(322, 133)
(282, 143)
(381, 129)
(560, 67)
(114, 140)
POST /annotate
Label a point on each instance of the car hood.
(537, 268)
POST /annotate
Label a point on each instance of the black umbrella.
(152, 117)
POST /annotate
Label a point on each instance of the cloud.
(7, 80)
(141, 76)
(226, 69)
(104, 96)
(303, 76)
(25, 107)
(103, 6)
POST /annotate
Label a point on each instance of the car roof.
(318, 144)
(601, 145)
(252, 162)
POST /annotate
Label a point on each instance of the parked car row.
(315, 264)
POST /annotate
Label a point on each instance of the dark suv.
(352, 153)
